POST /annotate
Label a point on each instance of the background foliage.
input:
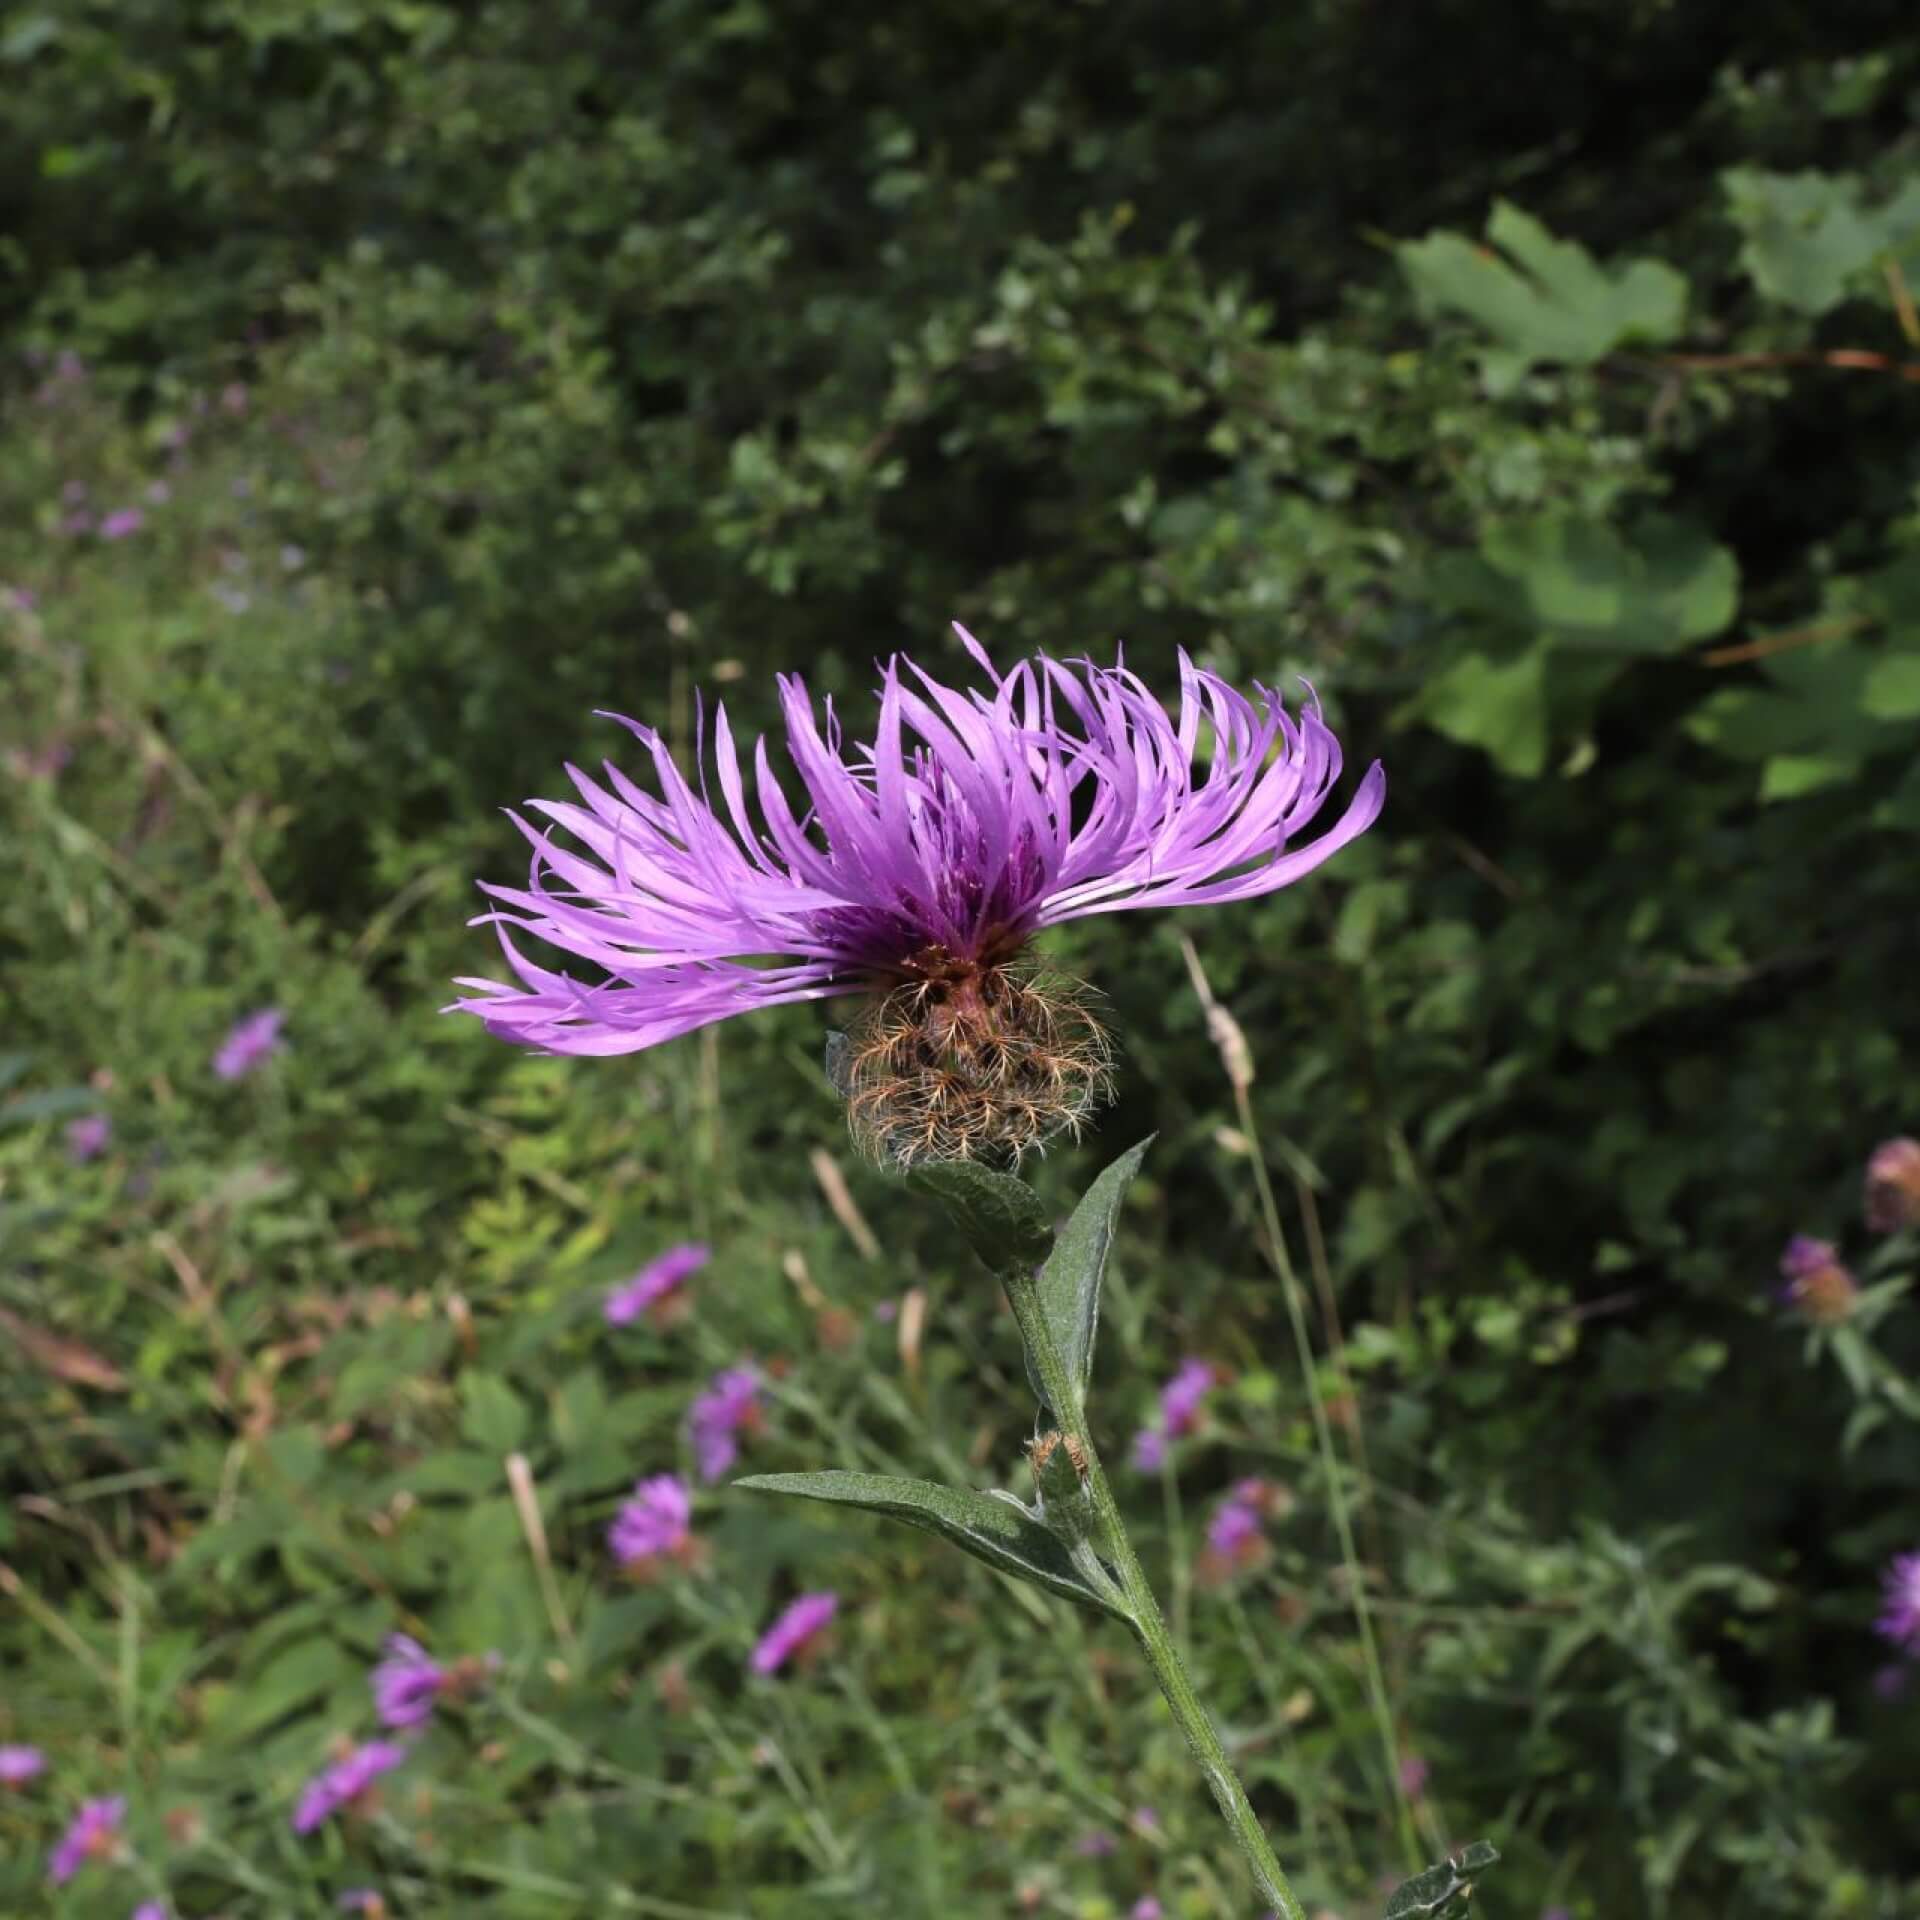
(1541, 383)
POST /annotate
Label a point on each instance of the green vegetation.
(1542, 384)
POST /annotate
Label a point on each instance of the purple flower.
(802, 1623)
(1414, 1775)
(924, 860)
(1815, 1281)
(88, 1135)
(731, 1402)
(150, 1910)
(406, 1683)
(1900, 1620)
(1180, 1398)
(345, 1782)
(1893, 1186)
(250, 1042)
(368, 1900)
(121, 522)
(1233, 1526)
(1145, 1908)
(1096, 1845)
(93, 1835)
(658, 1278)
(1180, 1402)
(20, 1764)
(653, 1524)
(1144, 1820)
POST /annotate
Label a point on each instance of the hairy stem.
(1203, 1741)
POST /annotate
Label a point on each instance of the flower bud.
(1893, 1186)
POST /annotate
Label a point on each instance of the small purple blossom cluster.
(655, 1288)
(1180, 1402)
(1815, 1281)
(346, 1784)
(795, 1634)
(729, 1407)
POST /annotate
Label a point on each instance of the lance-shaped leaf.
(1428, 1895)
(1002, 1217)
(995, 1529)
(1069, 1283)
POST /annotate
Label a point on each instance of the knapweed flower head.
(88, 1136)
(1145, 1908)
(654, 1283)
(1180, 1401)
(797, 1631)
(730, 1404)
(121, 523)
(654, 1525)
(20, 1764)
(1900, 1614)
(1893, 1186)
(94, 1834)
(1814, 1281)
(249, 1043)
(347, 1783)
(150, 1910)
(406, 1683)
(917, 870)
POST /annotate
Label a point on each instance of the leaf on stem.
(1069, 1283)
(995, 1528)
(1002, 1217)
(1432, 1893)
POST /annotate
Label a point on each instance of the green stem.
(1203, 1741)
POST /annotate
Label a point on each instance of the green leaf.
(1788, 775)
(1497, 705)
(1431, 1893)
(995, 1528)
(494, 1417)
(1806, 236)
(1002, 1217)
(1547, 299)
(1652, 588)
(1069, 1283)
(1892, 689)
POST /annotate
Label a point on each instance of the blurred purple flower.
(1145, 1908)
(658, 1278)
(20, 1764)
(150, 1910)
(801, 1624)
(122, 522)
(1893, 1186)
(250, 1042)
(406, 1683)
(88, 1135)
(1233, 1526)
(1144, 1820)
(886, 1311)
(158, 493)
(367, 1900)
(931, 856)
(77, 522)
(1414, 1775)
(1097, 1845)
(345, 1782)
(1180, 1402)
(73, 492)
(20, 599)
(1900, 1619)
(93, 1835)
(1180, 1398)
(1815, 1282)
(730, 1403)
(654, 1523)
